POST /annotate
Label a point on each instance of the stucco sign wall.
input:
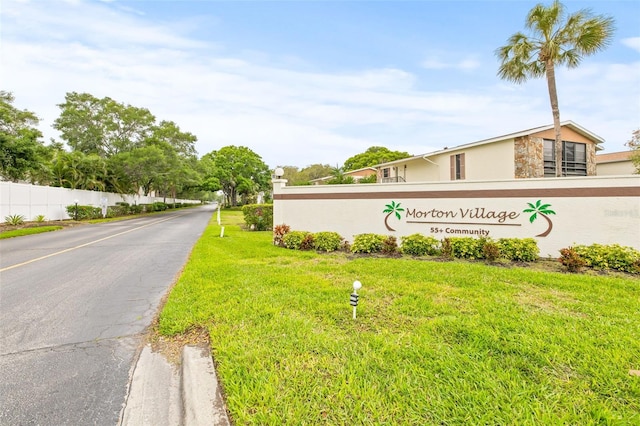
(557, 212)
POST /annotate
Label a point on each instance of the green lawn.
(434, 342)
(28, 231)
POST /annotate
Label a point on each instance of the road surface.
(73, 307)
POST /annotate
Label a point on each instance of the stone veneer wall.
(591, 160)
(529, 157)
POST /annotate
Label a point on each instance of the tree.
(556, 39)
(22, 154)
(339, 178)
(373, 156)
(634, 145)
(102, 126)
(238, 170)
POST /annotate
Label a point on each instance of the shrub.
(40, 218)
(420, 245)
(390, 245)
(490, 250)
(466, 247)
(14, 219)
(159, 206)
(447, 248)
(136, 209)
(614, 256)
(367, 243)
(519, 249)
(118, 210)
(278, 232)
(295, 239)
(327, 241)
(258, 215)
(307, 242)
(84, 212)
(571, 260)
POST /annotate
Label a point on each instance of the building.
(615, 163)
(355, 174)
(521, 155)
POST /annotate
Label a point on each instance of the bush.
(40, 218)
(519, 249)
(490, 250)
(327, 241)
(278, 232)
(84, 212)
(136, 209)
(390, 245)
(571, 260)
(419, 245)
(466, 247)
(14, 219)
(258, 216)
(367, 243)
(159, 206)
(614, 256)
(446, 248)
(295, 240)
(120, 209)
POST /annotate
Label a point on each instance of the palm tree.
(556, 39)
(391, 209)
(543, 210)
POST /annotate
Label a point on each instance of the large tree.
(373, 156)
(102, 126)
(238, 170)
(22, 153)
(556, 39)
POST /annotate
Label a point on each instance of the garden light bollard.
(357, 285)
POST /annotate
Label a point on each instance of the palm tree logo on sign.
(391, 209)
(543, 210)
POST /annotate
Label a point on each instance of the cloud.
(436, 62)
(633, 43)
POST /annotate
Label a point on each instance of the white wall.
(33, 200)
(587, 210)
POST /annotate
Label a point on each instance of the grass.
(28, 231)
(434, 342)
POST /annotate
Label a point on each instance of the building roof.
(613, 157)
(569, 124)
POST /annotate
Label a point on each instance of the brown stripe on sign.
(622, 191)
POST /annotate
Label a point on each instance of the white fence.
(583, 210)
(51, 202)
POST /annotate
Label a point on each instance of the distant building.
(521, 155)
(615, 163)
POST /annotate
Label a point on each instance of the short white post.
(218, 214)
(357, 285)
(221, 231)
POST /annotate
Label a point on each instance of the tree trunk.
(555, 110)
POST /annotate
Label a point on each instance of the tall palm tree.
(556, 39)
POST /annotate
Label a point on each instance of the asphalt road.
(73, 307)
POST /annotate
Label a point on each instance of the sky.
(308, 82)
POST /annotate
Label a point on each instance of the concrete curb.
(201, 395)
(162, 394)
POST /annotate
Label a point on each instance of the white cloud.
(632, 42)
(446, 61)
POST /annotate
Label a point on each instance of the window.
(574, 158)
(386, 173)
(457, 166)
